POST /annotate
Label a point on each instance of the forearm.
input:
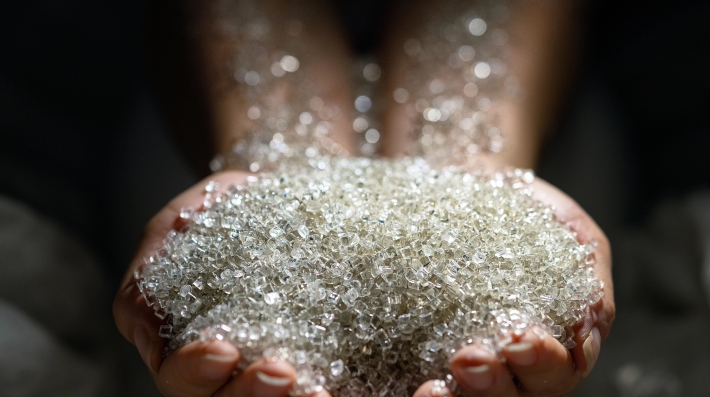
(541, 38)
(215, 113)
(545, 39)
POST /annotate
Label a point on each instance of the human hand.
(536, 364)
(199, 369)
(540, 363)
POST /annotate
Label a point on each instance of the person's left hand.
(539, 365)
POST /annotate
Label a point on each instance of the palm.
(205, 369)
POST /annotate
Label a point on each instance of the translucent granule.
(371, 271)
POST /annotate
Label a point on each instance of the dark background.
(83, 142)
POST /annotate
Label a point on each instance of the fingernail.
(219, 362)
(591, 348)
(144, 345)
(478, 377)
(521, 353)
(271, 386)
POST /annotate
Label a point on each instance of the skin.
(540, 364)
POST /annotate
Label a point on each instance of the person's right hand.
(199, 369)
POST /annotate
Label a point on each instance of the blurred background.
(87, 157)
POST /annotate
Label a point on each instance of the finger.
(541, 364)
(481, 374)
(134, 318)
(198, 369)
(264, 378)
(432, 389)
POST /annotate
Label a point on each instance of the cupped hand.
(199, 369)
(536, 364)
